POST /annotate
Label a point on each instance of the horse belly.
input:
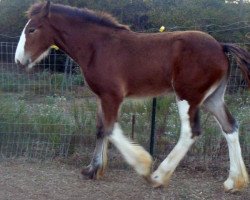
(148, 88)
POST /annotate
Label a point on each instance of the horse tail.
(242, 59)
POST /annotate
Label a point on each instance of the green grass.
(59, 115)
(43, 83)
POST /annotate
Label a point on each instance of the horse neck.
(76, 38)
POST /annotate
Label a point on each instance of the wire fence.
(49, 113)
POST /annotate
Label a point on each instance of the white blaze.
(25, 57)
(20, 51)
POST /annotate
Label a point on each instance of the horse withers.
(118, 63)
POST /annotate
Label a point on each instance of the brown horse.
(119, 63)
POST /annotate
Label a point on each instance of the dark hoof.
(92, 172)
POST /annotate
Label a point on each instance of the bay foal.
(119, 63)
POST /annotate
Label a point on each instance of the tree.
(225, 21)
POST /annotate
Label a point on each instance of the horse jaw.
(42, 56)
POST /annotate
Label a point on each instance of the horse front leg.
(190, 128)
(134, 154)
(98, 164)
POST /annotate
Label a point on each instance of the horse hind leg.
(190, 129)
(238, 177)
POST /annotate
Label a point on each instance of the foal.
(119, 63)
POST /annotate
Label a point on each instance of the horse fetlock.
(100, 172)
(236, 183)
(143, 164)
(161, 178)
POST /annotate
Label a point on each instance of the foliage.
(225, 21)
(57, 118)
(12, 16)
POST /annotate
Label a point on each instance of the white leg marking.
(162, 174)
(20, 51)
(238, 177)
(134, 154)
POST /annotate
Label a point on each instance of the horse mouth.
(27, 65)
(18, 62)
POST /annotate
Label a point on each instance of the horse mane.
(96, 17)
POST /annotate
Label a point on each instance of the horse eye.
(32, 30)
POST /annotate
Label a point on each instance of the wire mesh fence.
(49, 113)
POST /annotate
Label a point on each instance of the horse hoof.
(160, 179)
(93, 172)
(157, 185)
(235, 185)
(89, 172)
(151, 182)
(154, 183)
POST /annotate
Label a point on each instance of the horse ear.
(45, 10)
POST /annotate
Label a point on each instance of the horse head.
(35, 40)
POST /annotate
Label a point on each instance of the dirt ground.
(22, 180)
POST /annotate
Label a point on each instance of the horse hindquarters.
(193, 80)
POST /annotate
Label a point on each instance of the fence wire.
(49, 113)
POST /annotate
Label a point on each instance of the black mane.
(100, 18)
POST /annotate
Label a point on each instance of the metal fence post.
(152, 135)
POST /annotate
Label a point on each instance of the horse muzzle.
(22, 64)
